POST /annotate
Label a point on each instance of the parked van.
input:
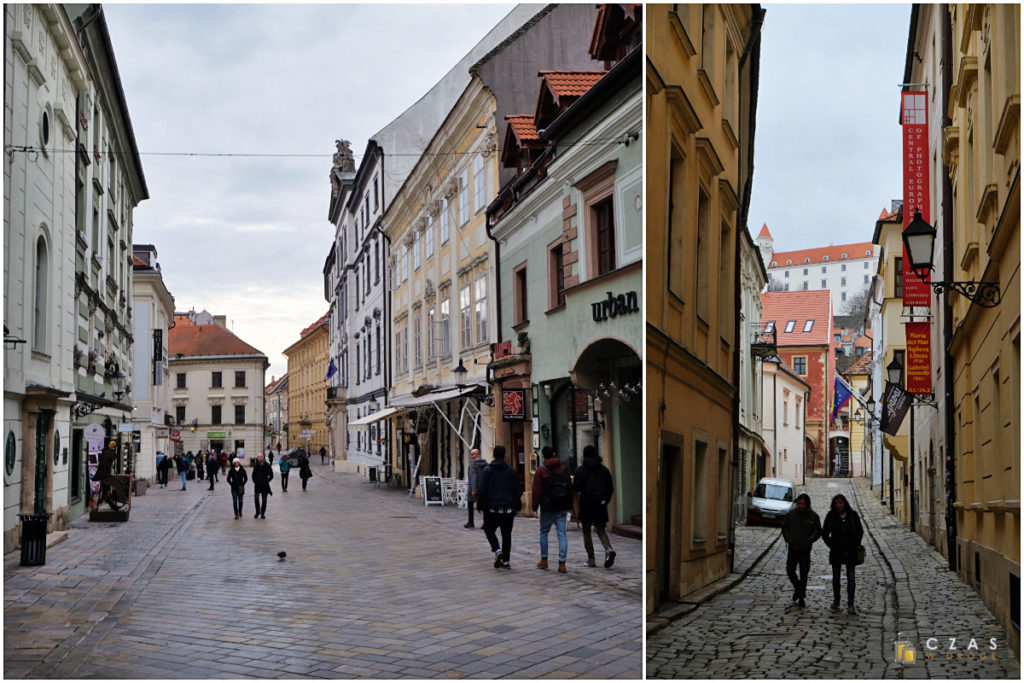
(770, 501)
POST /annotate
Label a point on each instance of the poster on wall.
(513, 405)
(919, 361)
(916, 186)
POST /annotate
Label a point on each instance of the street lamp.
(460, 372)
(894, 371)
(919, 241)
(119, 380)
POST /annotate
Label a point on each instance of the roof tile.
(814, 304)
(857, 250)
(571, 83)
(188, 339)
(522, 126)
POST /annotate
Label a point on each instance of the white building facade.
(153, 308)
(785, 417)
(753, 280)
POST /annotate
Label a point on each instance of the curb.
(677, 610)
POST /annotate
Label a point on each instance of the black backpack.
(556, 492)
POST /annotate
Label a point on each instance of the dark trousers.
(503, 521)
(211, 483)
(284, 481)
(161, 477)
(470, 506)
(588, 541)
(236, 501)
(260, 498)
(304, 480)
(803, 559)
(851, 581)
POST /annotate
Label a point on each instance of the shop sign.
(895, 404)
(163, 432)
(214, 435)
(502, 349)
(916, 187)
(614, 306)
(919, 361)
(513, 405)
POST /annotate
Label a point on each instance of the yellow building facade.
(443, 295)
(982, 152)
(702, 64)
(307, 390)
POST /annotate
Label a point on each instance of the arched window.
(41, 308)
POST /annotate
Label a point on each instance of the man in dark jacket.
(552, 493)
(842, 533)
(594, 484)
(262, 474)
(499, 496)
(211, 468)
(182, 465)
(237, 479)
(800, 529)
(323, 455)
(476, 468)
(304, 472)
(162, 468)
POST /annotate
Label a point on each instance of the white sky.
(247, 237)
(827, 149)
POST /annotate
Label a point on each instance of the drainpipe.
(947, 317)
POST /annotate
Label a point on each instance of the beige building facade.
(307, 390)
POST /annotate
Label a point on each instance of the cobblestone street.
(374, 584)
(755, 631)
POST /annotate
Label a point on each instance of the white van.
(770, 501)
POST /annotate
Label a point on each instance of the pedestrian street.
(904, 591)
(374, 584)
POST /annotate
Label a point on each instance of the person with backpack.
(499, 497)
(286, 467)
(594, 484)
(552, 493)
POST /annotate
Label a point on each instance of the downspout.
(947, 318)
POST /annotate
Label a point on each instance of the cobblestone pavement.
(374, 585)
(755, 631)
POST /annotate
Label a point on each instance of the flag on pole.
(331, 370)
(840, 396)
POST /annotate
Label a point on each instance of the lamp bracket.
(985, 294)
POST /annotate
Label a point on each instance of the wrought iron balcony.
(762, 341)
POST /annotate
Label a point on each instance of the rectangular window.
(726, 305)
(443, 219)
(790, 325)
(180, 380)
(215, 415)
(398, 353)
(240, 379)
(800, 365)
(446, 328)
(217, 380)
(843, 268)
(704, 254)
(699, 497)
(865, 279)
(179, 415)
(898, 276)
(798, 412)
(808, 325)
(464, 198)
(377, 368)
(416, 251)
(676, 206)
(722, 514)
(556, 280)
(429, 237)
(824, 284)
(805, 271)
(376, 193)
(405, 263)
(842, 282)
(479, 183)
(432, 351)
(465, 317)
(823, 270)
(405, 348)
(481, 309)
(239, 414)
(519, 292)
(604, 232)
(769, 326)
(417, 339)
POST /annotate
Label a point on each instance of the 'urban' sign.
(614, 306)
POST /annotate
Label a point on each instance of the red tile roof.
(764, 232)
(815, 304)
(138, 263)
(864, 341)
(571, 83)
(522, 126)
(322, 320)
(857, 250)
(188, 339)
(861, 367)
(276, 383)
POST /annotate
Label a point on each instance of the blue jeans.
(556, 517)
(183, 475)
(236, 500)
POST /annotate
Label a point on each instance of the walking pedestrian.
(552, 493)
(800, 529)
(842, 533)
(211, 468)
(304, 472)
(182, 465)
(594, 483)
(476, 468)
(200, 465)
(262, 474)
(237, 479)
(286, 467)
(323, 455)
(162, 468)
(499, 497)
(222, 457)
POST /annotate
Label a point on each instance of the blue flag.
(839, 398)
(331, 370)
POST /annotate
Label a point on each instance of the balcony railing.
(332, 393)
(762, 341)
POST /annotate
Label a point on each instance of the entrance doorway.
(669, 534)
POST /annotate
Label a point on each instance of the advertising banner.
(919, 358)
(916, 186)
(895, 404)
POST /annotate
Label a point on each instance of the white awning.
(437, 396)
(376, 417)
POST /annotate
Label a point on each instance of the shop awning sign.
(513, 405)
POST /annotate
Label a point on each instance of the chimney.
(221, 321)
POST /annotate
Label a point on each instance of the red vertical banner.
(916, 186)
(919, 357)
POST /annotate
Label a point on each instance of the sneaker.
(796, 595)
(801, 603)
(851, 609)
(591, 562)
(497, 559)
(505, 565)
(561, 568)
(835, 605)
(543, 564)
(609, 559)
(467, 525)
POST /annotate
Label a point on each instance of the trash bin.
(33, 539)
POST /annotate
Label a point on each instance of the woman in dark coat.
(593, 481)
(304, 472)
(237, 479)
(842, 533)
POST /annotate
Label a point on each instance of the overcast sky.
(827, 150)
(246, 237)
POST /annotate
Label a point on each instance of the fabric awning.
(382, 414)
(897, 445)
(437, 396)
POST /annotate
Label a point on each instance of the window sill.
(556, 309)
(41, 355)
(522, 324)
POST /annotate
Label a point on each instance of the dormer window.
(867, 253)
(807, 259)
(809, 325)
(774, 264)
(790, 325)
(789, 262)
(845, 254)
(769, 327)
(825, 258)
